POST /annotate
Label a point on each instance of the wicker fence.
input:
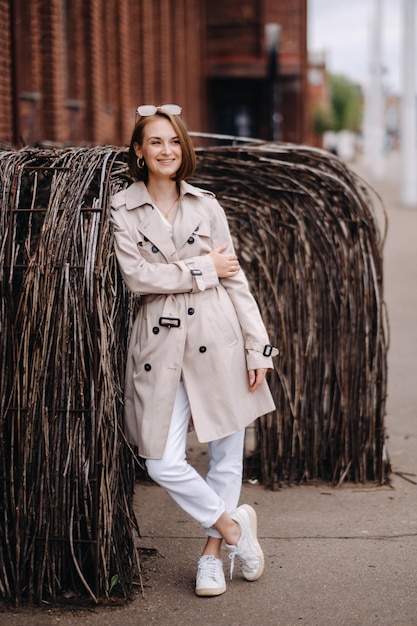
(308, 239)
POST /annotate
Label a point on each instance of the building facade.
(74, 71)
(256, 68)
(319, 96)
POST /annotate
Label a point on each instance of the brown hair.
(188, 162)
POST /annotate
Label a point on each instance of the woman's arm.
(259, 352)
(191, 275)
(144, 278)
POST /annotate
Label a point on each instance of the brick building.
(319, 97)
(73, 71)
(254, 84)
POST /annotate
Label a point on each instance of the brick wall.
(81, 67)
(291, 16)
(6, 94)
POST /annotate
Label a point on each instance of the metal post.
(272, 34)
(409, 110)
(374, 109)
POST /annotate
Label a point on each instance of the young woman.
(198, 350)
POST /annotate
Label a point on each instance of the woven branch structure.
(66, 476)
(307, 237)
(310, 240)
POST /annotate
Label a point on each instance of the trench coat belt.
(170, 314)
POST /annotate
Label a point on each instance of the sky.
(341, 29)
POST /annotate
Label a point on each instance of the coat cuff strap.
(203, 272)
(265, 348)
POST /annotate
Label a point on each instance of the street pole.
(272, 35)
(409, 110)
(374, 106)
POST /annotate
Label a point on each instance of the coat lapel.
(155, 230)
(191, 218)
(150, 223)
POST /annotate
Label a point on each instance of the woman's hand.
(256, 378)
(227, 265)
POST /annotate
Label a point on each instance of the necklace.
(166, 213)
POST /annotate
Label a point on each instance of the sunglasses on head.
(150, 109)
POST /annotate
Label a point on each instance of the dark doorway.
(239, 107)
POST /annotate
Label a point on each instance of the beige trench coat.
(190, 323)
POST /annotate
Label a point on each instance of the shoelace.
(232, 555)
(208, 568)
(250, 560)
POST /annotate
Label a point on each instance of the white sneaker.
(248, 551)
(210, 577)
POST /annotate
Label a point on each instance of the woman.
(198, 348)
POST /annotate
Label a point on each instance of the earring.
(140, 162)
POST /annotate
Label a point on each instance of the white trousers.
(204, 499)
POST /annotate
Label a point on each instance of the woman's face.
(160, 148)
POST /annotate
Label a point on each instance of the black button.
(196, 273)
(155, 330)
(145, 239)
(155, 249)
(147, 367)
(202, 349)
(196, 229)
(191, 311)
(190, 240)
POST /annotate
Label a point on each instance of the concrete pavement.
(332, 556)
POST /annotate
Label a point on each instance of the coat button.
(155, 330)
(155, 249)
(145, 239)
(147, 367)
(190, 240)
(202, 349)
(191, 311)
(197, 228)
